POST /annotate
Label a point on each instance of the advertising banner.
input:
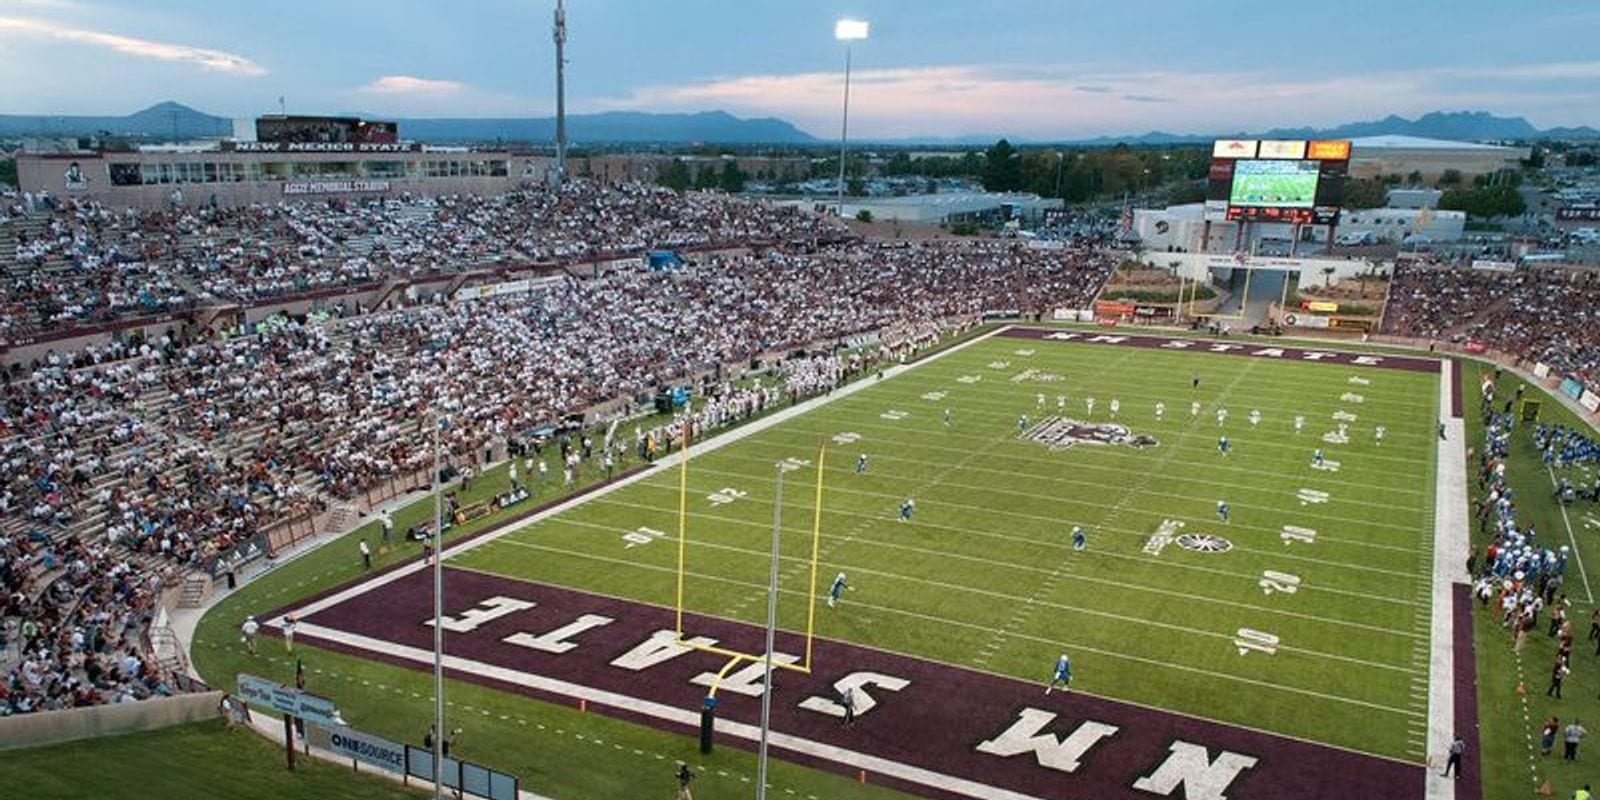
(1328, 149)
(1541, 370)
(1271, 148)
(1493, 266)
(1571, 388)
(1234, 148)
(1475, 347)
(237, 556)
(364, 747)
(334, 187)
(1590, 400)
(269, 695)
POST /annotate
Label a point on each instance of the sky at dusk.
(1025, 68)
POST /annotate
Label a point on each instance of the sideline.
(1450, 545)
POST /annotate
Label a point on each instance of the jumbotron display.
(1280, 184)
(1298, 182)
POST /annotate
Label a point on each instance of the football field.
(1304, 614)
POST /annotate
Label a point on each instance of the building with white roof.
(1374, 156)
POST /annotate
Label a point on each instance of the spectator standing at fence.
(366, 555)
(388, 528)
(289, 623)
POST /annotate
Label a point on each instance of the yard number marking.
(1308, 496)
(641, 535)
(893, 415)
(1352, 397)
(934, 396)
(1275, 581)
(1259, 641)
(792, 464)
(969, 379)
(726, 495)
(1295, 533)
(847, 437)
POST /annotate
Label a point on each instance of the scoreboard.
(1292, 181)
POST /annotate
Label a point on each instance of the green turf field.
(197, 760)
(984, 574)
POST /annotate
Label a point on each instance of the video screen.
(1274, 184)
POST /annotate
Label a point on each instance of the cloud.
(406, 84)
(213, 60)
(1066, 100)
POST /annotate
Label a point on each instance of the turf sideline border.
(661, 466)
(1449, 571)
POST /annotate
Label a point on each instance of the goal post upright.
(816, 540)
(683, 517)
(735, 656)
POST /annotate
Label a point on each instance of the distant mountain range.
(169, 120)
(1462, 126)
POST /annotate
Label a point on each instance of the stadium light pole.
(438, 617)
(772, 626)
(846, 30)
(560, 36)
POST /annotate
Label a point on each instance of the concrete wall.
(49, 727)
(1199, 265)
(46, 173)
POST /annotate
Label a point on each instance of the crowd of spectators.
(1548, 315)
(74, 614)
(128, 462)
(77, 262)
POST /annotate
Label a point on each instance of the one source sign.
(266, 694)
(363, 747)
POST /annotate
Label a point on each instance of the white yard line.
(1012, 599)
(1070, 358)
(1450, 526)
(1576, 555)
(1177, 413)
(1056, 524)
(1008, 565)
(708, 445)
(1091, 486)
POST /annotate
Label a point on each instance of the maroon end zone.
(935, 730)
(1216, 346)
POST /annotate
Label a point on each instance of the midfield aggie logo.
(1059, 433)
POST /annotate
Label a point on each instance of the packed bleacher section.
(82, 263)
(130, 463)
(1548, 315)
